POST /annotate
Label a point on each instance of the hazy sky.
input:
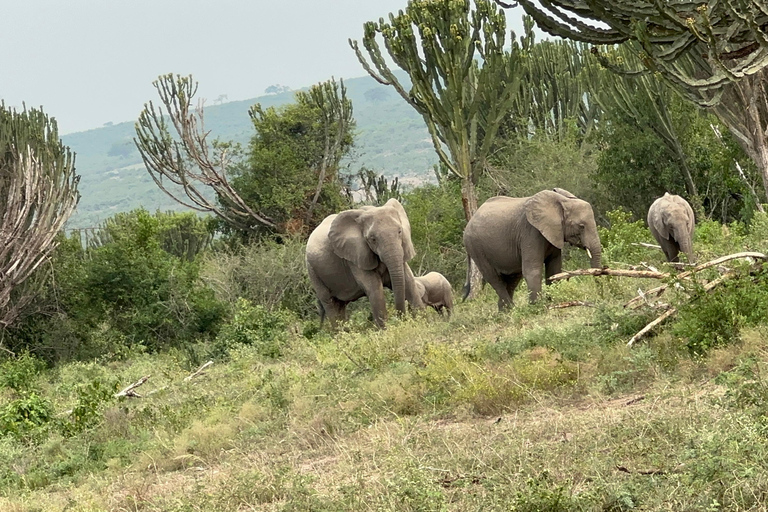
(89, 62)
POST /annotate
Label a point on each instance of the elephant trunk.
(592, 243)
(395, 265)
(687, 247)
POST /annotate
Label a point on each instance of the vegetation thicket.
(168, 361)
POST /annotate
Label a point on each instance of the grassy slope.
(534, 409)
(392, 139)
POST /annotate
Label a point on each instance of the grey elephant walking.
(360, 252)
(671, 221)
(512, 238)
(435, 290)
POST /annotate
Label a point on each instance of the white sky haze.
(89, 62)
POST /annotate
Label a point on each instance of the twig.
(129, 391)
(645, 330)
(570, 304)
(643, 244)
(198, 372)
(623, 469)
(635, 400)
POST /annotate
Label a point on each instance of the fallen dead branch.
(198, 372)
(608, 272)
(129, 391)
(571, 304)
(683, 275)
(623, 469)
(671, 311)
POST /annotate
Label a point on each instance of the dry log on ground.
(608, 272)
(129, 391)
(198, 372)
(571, 304)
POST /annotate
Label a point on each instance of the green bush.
(714, 319)
(269, 274)
(26, 417)
(437, 227)
(618, 239)
(19, 374)
(137, 280)
(91, 399)
(255, 326)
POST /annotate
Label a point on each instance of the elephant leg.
(553, 266)
(512, 281)
(671, 250)
(533, 280)
(500, 285)
(371, 283)
(334, 311)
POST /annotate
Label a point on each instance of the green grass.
(533, 409)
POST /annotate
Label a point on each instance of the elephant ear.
(408, 250)
(545, 212)
(656, 219)
(348, 242)
(564, 192)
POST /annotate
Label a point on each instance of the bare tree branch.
(187, 160)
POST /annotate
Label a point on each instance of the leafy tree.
(292, 167)
(191, 170)
(38, 193)
(636, 165)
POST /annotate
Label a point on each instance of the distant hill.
(392, 140)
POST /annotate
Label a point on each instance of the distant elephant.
(360, 252)
(510, 238)
(435, 290)
(671, 221)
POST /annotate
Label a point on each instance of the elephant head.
(369, 236)
(564, 218)
(671, 217)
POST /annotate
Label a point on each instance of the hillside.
(392, 140)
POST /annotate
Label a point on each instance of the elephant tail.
(468, 284)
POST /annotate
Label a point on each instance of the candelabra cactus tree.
(38, 193)
(463, 81)
(713, 53)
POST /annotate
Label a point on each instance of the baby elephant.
(435, 291)
(670, 219)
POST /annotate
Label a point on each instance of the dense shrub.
(267, 274)
(713, 319)
(620, 239)
(255, 326)
(136, 283)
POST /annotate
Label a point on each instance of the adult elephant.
(360, 252)
(510, 238)
(671, 221)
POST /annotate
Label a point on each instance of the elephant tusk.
(589, 254)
